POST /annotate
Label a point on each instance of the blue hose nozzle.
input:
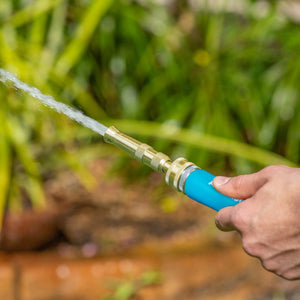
(197, 184)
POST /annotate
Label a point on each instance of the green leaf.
(202, 141)
(31, 12)
(125, 291)
(5, 165)
(83, 34)
(18, 137)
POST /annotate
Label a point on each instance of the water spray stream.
(49, 101)
(181, 174)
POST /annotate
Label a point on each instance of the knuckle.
(270, 265)
(239, 219)
(289, 275)
(238, 182)
(251, 247)
(218, 222)
(273, 169)
(269, 169)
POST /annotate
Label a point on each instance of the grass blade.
(83, 34)
(204, 141)
(18, 139)
(5, 166)
(30, 12)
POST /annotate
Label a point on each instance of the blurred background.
(214, 81)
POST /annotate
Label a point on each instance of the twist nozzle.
(176, 172)
(142, 152)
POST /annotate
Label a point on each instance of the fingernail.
(220, 180)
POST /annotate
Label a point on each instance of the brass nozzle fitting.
(142, 152)
(176, 172)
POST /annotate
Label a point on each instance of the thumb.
(241, 187)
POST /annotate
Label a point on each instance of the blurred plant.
(221, 74)
(224, 82)
(126, 290)
(41, 42)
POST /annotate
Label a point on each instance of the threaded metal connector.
(176, 174)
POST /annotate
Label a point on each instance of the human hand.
(269, 217)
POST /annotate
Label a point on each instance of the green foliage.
(127, 289)
(220, 88)
(34, 42)
(204, 141)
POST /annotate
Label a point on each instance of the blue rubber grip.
(199, 187)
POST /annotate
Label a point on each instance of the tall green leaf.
(83, 34)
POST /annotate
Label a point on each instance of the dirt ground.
(92, 242)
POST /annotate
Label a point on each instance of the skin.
(269, 217)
